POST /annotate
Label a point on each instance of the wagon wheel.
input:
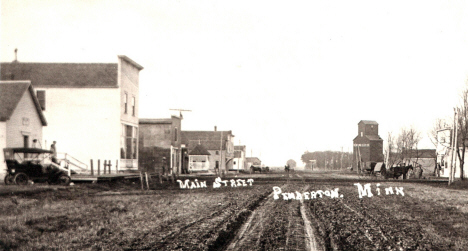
(21, 179)
(64, 180)
(9, 180)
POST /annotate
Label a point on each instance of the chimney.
(16, 55)
(215, 129)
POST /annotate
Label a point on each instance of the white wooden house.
(21, 118)
(199, 159)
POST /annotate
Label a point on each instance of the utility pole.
(221, 151)
(453, 146)
(341, 166)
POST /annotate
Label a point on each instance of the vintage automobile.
(259, 168)
(33, 164)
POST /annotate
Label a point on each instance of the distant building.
(239, 159)
(220, 145)
(252, 161)
(92, 108)
(158, 139)
(311, 165)
(426, 158)
(21, 118)
(199, 159)
(367, 146)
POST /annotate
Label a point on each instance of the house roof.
(59, 75)
(211, 140)
(373, 137)
(11, 93)
(423, 153)
(369, 122)
(199, 150)
(369, 137)
(252, 159)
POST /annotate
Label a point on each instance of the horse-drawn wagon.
(396, 171)
(380, 169)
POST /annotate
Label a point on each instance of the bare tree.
(402, 148)
(432, 134)
(391, 151)
(462, 132)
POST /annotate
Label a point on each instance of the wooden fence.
(106, 167)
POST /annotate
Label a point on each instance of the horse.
(396, 171)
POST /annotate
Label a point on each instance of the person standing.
(163, 162)
(34, 144)
(53, 148)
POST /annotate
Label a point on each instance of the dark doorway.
(26, 141)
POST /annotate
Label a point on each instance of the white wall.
(23, 121)
(2, 145)
(85, 122)
(16, 127)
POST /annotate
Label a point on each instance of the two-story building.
(239, 163)
(21, 118)
(160, 144)
(220, 145)
(91, 108)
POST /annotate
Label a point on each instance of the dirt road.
(313, 211)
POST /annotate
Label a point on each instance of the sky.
(284, 76)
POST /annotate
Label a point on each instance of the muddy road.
(276, 211)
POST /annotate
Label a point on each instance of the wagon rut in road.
(298, 232)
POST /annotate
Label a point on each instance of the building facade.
(92, 108)
(445, 153)
(239, 159)
(199, 159)
(158, 139)
(220, 145)
(21, 118)
(367, 146)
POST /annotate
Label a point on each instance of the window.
(217, 152)
(362, 134)
(128, 148)
(41, 97)
(125, 102)
(175, 134)
(133, 106)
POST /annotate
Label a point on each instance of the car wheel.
(64, 180)
(9, 180)
(21, 179)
